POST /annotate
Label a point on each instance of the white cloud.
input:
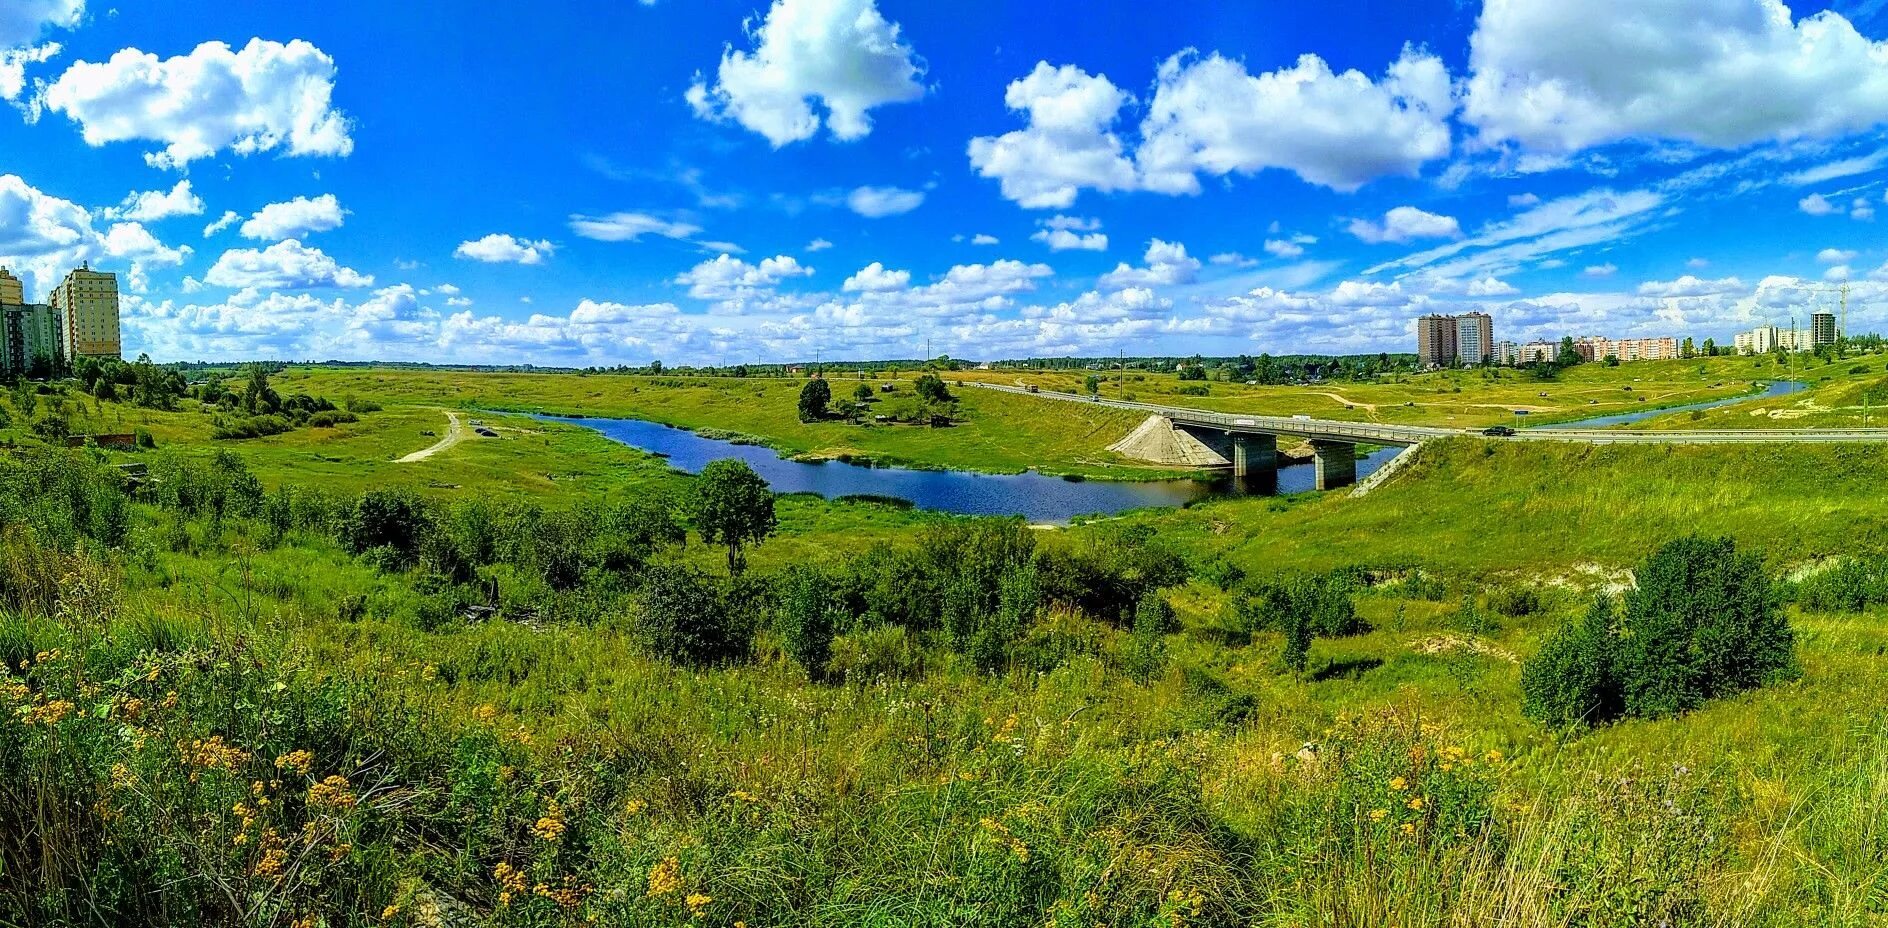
(874, 278)
(1698, 264)
(879, 202)
(629, 227)
(1835, 256)
(1491, 287)
(1601, 270)
(23, 21)
(841, 53)
(153, 205)
(1404, 224)
(1283, 248)
(285, 265)
(1235, 259)
(499, 248)
(1168, 264)
(1846, 167)
(13, 62)
(267, 97)
(43, 236)
(1523, 200)
(818, 244)
(1336, 130)
(1069, 144)
(1816, 205)
(229, 218)
(294, 218)
(730, 280)
(982, 239)
(1527, 238)
(1065, 240)
(1690, 286)
(1839, 272)
(1559, 77)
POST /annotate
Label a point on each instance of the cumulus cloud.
(1690, 286)
(500, 248)
(874, 278)
(1835, 256)
(982, 239)
(1559, 77)
(1065, 240)
(13, 62)
(879, 202)
(1816, 205)
(1167, 264)
(267, 97)
(1340, 131)
(43, 236)
(1601, 270)
(153, 205)
(841, 54)
(818, 244)
(23, 21)
(294, 218)
(1527, 238)
(229, 218)
(1069, 144)
(738, 285)
(1404, 224)
(629, 227)
(285, 265)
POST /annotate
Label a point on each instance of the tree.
(931, 389)
(684, 616)
(1569, 356)
(1702, 623)
(806, 618)
(862, 393)
(1710, 347)
(655, 367)
(1685, 350)
(258, 396)
(732, 506)
(814, 398)
(1091, 384)
(1573, 681)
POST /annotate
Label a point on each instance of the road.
(1381, 434)
(455, 433)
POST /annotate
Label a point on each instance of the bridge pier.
(1336, 463)
(1255, 461)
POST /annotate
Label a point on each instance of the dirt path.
(1341, 398)
(455, 433)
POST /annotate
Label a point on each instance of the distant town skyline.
(603, 182)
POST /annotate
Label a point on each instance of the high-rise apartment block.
(1445, 341)
(87, 302)
(1435, 341)
(31, 335)
(1822, 330)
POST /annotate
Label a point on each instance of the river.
(1036, 497)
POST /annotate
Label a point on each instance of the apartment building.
(1435, 341)
(12, 291)
(87, 302)
(1822, 330)
(1474, 338)
(1445, 341)
(30, 334)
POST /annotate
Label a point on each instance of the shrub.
(1852, 585)
(1147, 647)
(1323, 604)
(1703, 623)
(804, 619)
(687, 617)
(394, 519)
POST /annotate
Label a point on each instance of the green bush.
(686, 616)
(1703, 623)
(804, 618)
(1147, 646)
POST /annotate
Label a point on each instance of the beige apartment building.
(87, 302)
(12, 291)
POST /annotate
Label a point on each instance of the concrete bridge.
(1249, 443)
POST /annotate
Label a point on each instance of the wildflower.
(509, 877)
(331, 793)
(1494, 756)
(271, 863)
(390, 911)
(298, 761)
(1409, 828)
(665, 877)
(1377, 815)
(122, 777)
(634, 806)
(306, 921)
(485, 713)
(1398, 784)
(551, 826)
(744, 796)
(339, 851)
(698, 903)
(1416, 803)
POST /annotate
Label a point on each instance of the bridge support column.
(1255, 461)
(1336, 463)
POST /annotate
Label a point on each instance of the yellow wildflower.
(698, 903)
(1416, 803)
(331, 793)
(1377, 815)
(1409, 828)
(1398, 784)
(390, 911)
(665, 877)
(298, 761)
(486, 712)
(634, 806)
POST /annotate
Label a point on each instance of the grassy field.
(913, 788)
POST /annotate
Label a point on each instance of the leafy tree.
(1702, 623)
(258, 396)
(1091, 384)
(391, 518)
(862, 392)
(732, 506)
(814, 398)
(931, 389)
(1710, 347)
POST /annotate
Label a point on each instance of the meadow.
(223, 707)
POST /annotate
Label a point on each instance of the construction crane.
(1841, 293)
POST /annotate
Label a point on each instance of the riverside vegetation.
(236, 696)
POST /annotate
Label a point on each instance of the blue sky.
(613, 181)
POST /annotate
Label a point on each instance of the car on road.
(1498, 431)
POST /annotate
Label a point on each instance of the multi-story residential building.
(12, 291)
(1507, 353)
(1474, 338)
(1436, 341)
(1543, 352)
(87, 302)
(1760, 340)
(30, 339)
(1822, 330)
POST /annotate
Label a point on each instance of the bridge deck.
(1371, 433)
